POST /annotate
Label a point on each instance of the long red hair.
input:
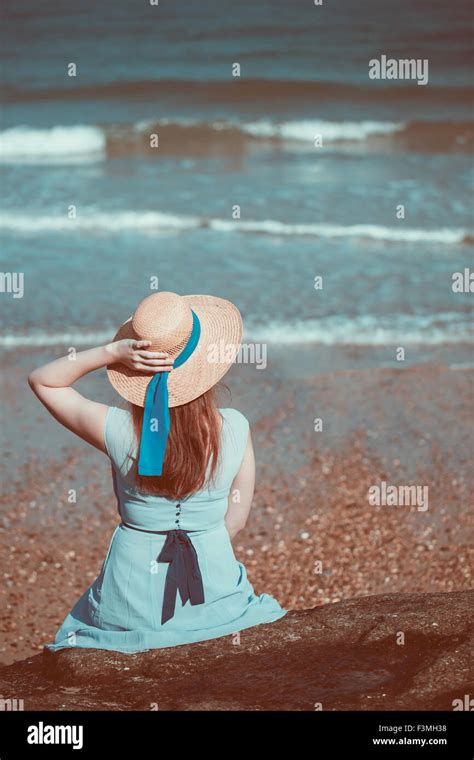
(193, 442)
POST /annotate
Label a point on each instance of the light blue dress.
(122, 609)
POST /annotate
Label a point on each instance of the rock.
(344, 656)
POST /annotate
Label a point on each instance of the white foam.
(150, 222)
(78, 143)
(37, 339)
(115, 221)
(306, 130)
(373, 231)
(368, 330)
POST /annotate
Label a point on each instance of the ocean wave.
(363, 231)
(155, 222)
(179, 137)
(115, 221)
(305, 130)
(39, 339)
(370, 330)
(245, 90)
(78, 143)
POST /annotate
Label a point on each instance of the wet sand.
(313, 538)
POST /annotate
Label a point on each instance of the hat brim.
(219, 343)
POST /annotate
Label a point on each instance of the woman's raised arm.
(52, 384)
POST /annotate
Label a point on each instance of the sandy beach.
(313, 537)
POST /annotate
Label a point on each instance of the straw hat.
(166, 320)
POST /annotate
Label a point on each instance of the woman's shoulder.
(118, 433)
(121, 411)
(235, 434)
(117, 415)
(234, 421)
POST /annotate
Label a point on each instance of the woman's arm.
(241, 492)
(82, 416)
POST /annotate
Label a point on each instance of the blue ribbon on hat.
(156, 415)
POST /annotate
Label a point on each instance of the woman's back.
(170, 575)
(205, 509)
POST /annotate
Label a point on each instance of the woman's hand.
(134, 355)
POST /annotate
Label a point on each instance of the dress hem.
(230, 630)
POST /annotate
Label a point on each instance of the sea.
(241, 150)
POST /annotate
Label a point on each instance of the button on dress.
(197, 587)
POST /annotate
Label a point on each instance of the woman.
(183, 474)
